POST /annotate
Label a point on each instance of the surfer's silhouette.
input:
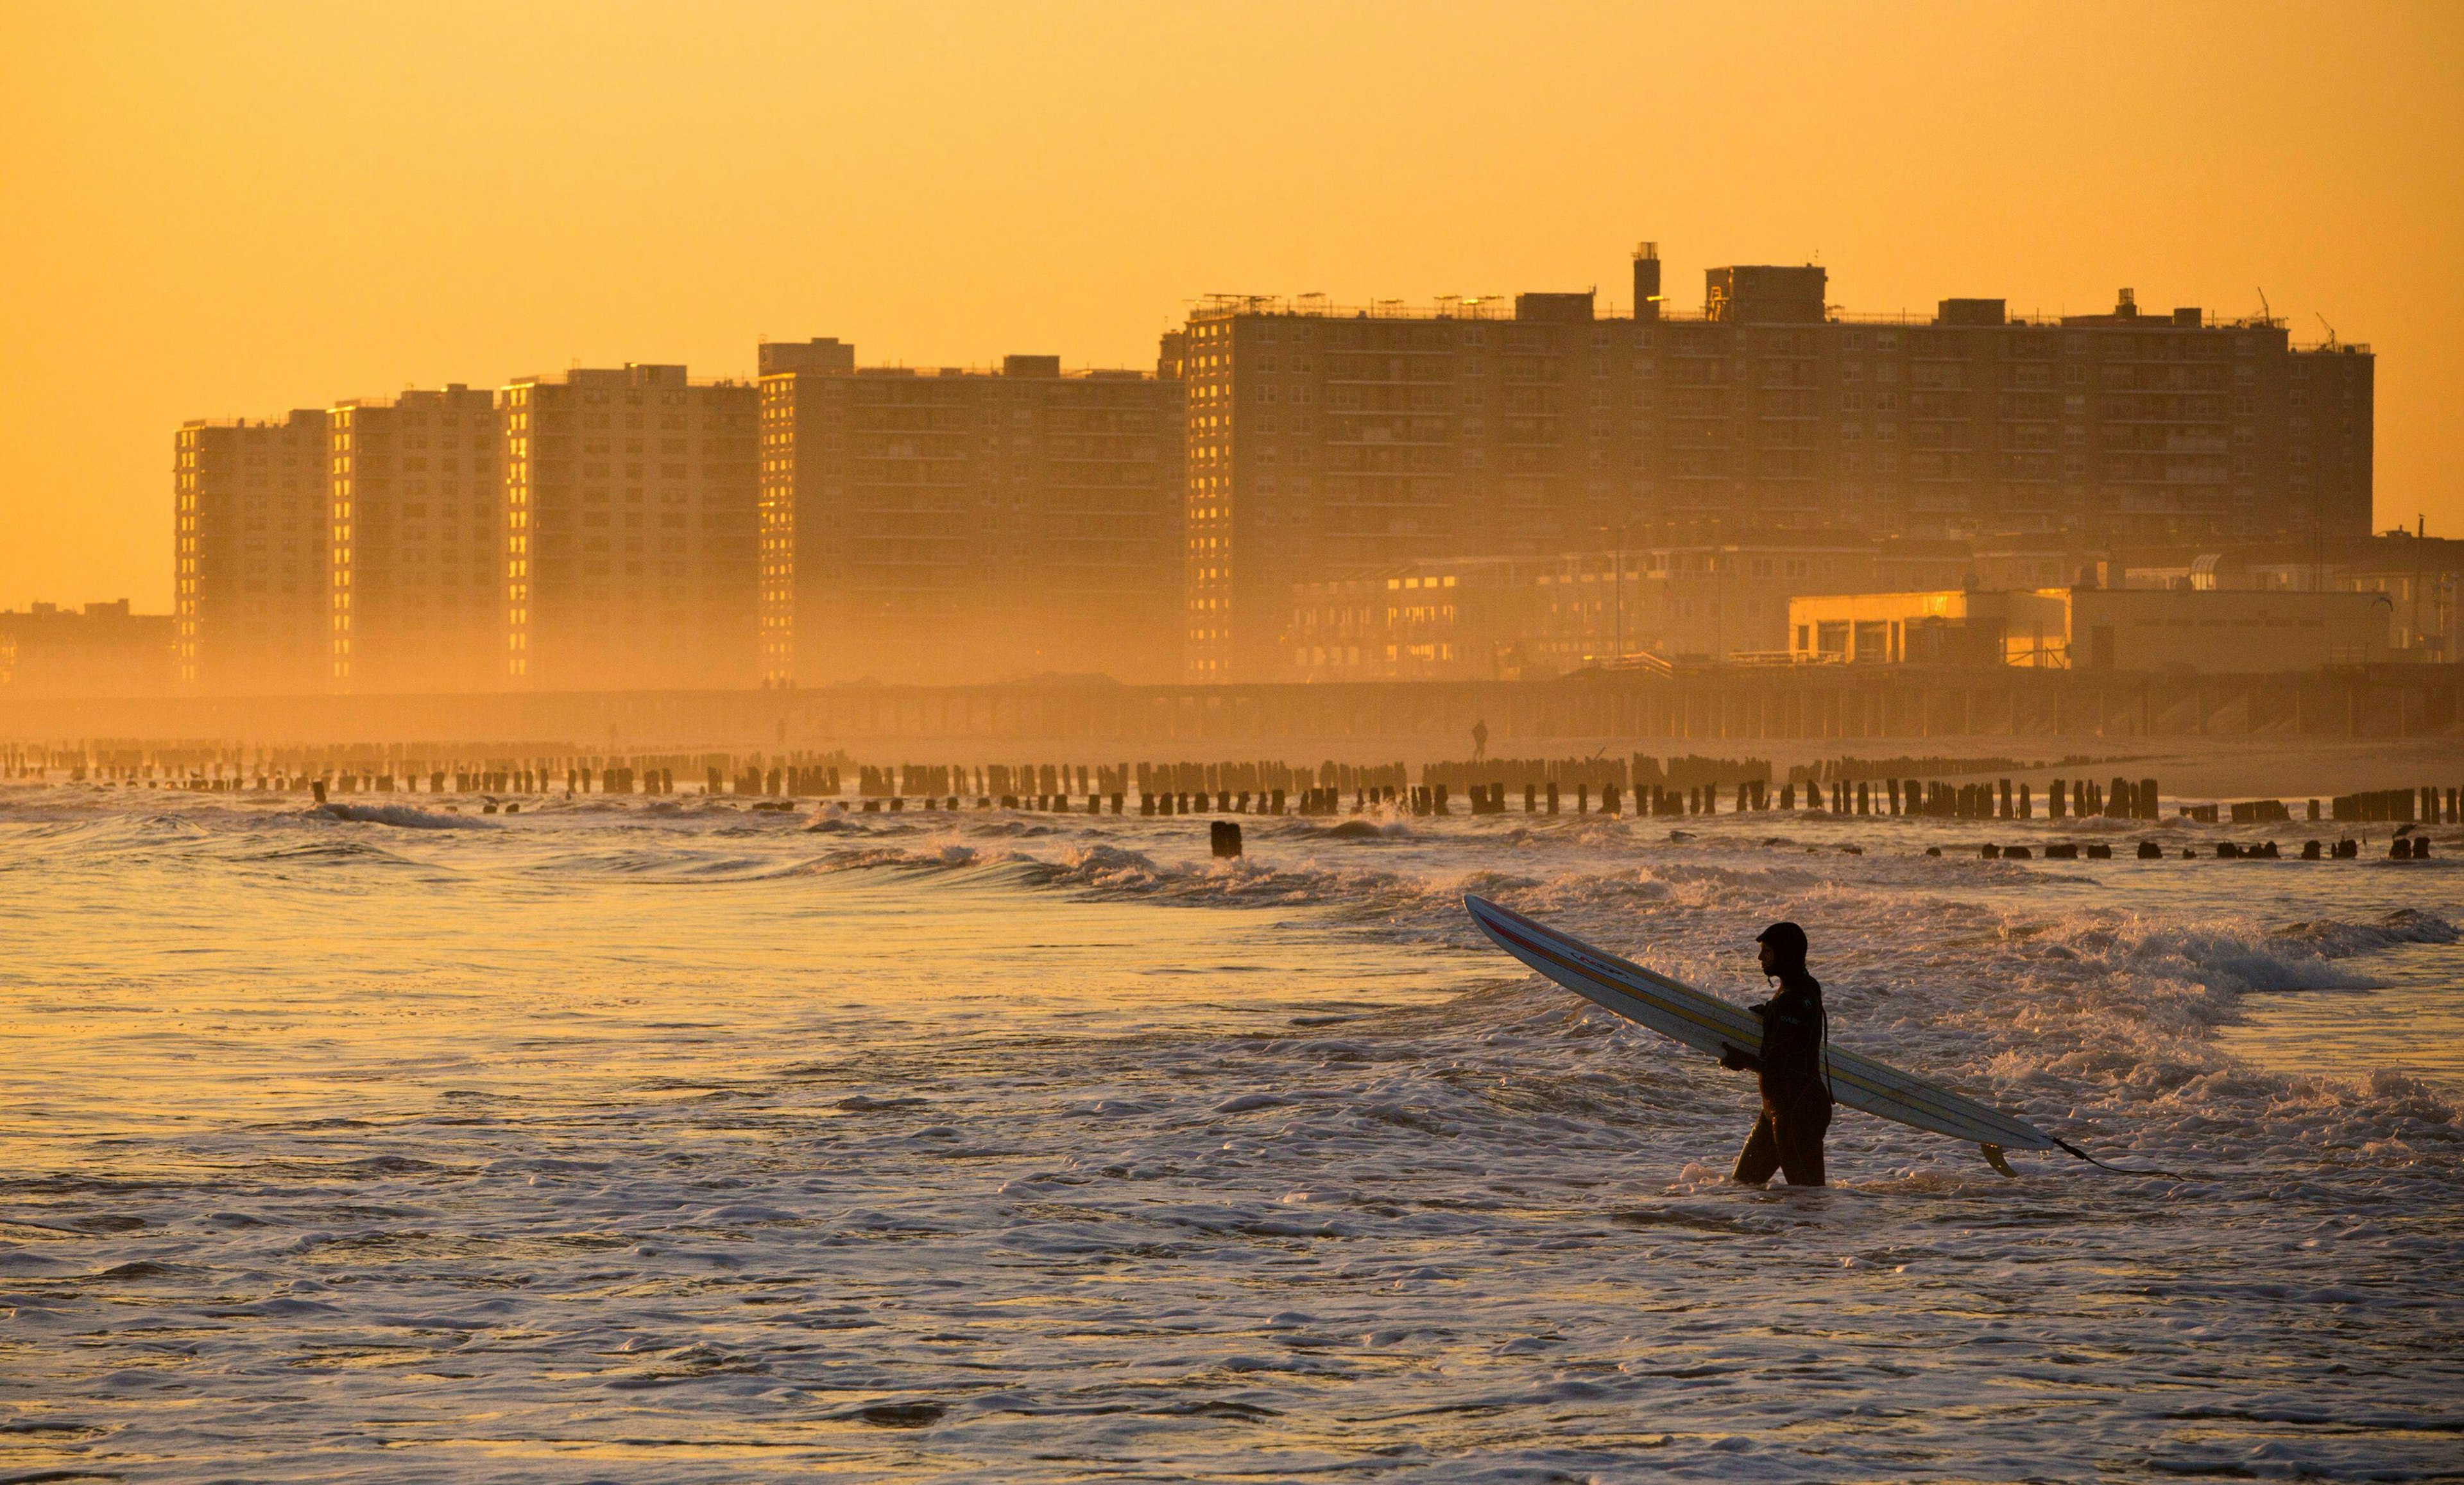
(1796, 1097)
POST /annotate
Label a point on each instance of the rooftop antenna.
(2331, 330)
(2266, 315)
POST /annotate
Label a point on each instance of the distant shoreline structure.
(1830, 706)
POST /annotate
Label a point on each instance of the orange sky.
(230, 210)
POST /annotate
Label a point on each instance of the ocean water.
(675, 1142)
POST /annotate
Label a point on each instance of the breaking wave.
(407, 817)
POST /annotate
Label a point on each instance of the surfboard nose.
(1486, 915)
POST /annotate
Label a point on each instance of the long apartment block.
(1326, 444)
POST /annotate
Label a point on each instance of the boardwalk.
(1739, 703)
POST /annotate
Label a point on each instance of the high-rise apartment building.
(417, 544)
(1326, 445)
(966, 525)
(630, 502)
(248, 514)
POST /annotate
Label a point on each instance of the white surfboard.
(1703, 1022)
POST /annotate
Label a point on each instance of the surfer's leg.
(1798, 1135)
(1760, 1157)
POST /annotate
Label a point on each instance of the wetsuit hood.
(1787, 943)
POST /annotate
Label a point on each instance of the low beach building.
(2217, 631)
(104, 649)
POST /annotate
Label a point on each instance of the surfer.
(1796, 1097)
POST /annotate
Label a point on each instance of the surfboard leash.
(2119, 1170)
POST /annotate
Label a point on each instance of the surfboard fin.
(1993, 1158)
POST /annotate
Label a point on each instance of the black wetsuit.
(1796, 1096)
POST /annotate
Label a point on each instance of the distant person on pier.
(1479, 742)
(1797, 1090)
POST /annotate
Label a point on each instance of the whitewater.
(634, 1140)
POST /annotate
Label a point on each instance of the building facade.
(249, 555)
(1462, 618)
(2420, 577)
(1328, 445)
(631, 498)
(966, 525)
(416, 536)
(1692, 596)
